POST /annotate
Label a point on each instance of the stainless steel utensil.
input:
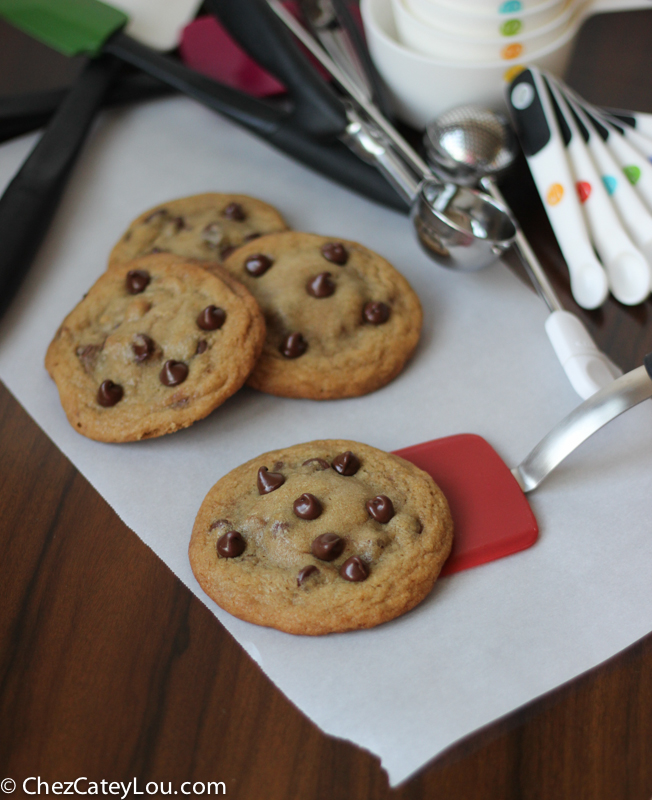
(622, 394)
(458, 227)
(471, 145)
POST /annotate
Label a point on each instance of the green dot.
(511, 27)
(633, 174)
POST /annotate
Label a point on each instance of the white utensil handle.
(633, 212)
(627, 269)
(641, 142)
(634, 165)
(556, 187)
(588, 368)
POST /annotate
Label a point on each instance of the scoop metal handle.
(621, 395)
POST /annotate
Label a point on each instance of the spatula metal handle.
(621, 395)
(29, 202)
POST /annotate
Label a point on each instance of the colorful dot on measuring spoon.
(509, 7)
(633, 173)
(554, 194)
(512, 72)
(610, 183)
(511, 27)
(583, 190)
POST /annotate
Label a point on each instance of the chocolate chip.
(305, 573)
(321, 285)
(143, 347)
(307, 506)
(268, 481)
(137, 281)
(88, 356)
(346, 463)
(231, 545)
(376, 312)
(381, 508)
(109, 394)
(293, 346)
(258, 264)
(235, 212)
(179, 223)
(218, 523)
(335, 252)
(319, 462)
(327, 547)
(202, 346)
(251, 236)
(211, 318)
(354, 569)
(158, 250)
(173, 373)
(212, 234)
(226, 251)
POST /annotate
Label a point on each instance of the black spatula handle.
(317, 111)
(30, 200)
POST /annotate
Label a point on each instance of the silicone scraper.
(488, 503)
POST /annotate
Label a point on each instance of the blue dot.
(610, 183)
(510, 7)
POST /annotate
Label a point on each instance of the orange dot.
(512, 72)
(511, 51)
(555, 194)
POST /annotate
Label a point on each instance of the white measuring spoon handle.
(627, 269)
(633, 212)
(635, 166)
(540, 138)
(622, 394)
(588, 369)
(634, 119)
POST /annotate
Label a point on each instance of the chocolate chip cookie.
(203, 226)
(341, 321)
(155, 345)
(321, 537)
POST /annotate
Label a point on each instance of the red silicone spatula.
(491, 514)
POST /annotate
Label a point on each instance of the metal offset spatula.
(488, 500)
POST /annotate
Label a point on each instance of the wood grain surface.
(111, 669)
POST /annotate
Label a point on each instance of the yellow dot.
(512, 72)
(555, 194)
(511, 51)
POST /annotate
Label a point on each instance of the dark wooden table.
(111, 669)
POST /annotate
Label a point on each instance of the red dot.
(583, 190)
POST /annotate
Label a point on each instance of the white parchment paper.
(487, 640)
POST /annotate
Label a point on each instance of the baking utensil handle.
(30, 200)
(23, 113)
(261, 117)
(318, 110)
(338, 163)
(621, 395)
(588, 369)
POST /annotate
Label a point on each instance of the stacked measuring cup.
(593, 172)
(483, 30)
